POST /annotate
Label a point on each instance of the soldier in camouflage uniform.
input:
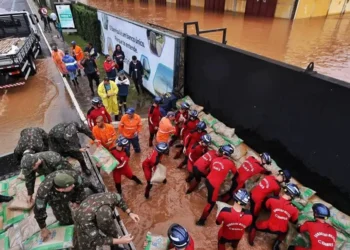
(58, 189)
(33, 139)
(96, 214)
(63, 139)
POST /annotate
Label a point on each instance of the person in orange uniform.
(282, 211)
(57, 56)
(166, 128)
(180, 117)
(322, 235)
(78, 54)
(123, 167)
(150, 163)
(154, 116)
(234, 220)
(179, 238)
(130, 126)
(105, 133)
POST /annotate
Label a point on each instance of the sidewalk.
(83, 92)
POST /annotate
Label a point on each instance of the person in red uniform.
(218, 171)
(234, 220)
(179, 238)
(270, 184)
(154, 116)
(123, 167)
(188, 126)
(150, 163)
(97, 110)
(249, 168)
(322, 235)
(195, 135)
(281, 212)
(201, 168)
(181, 117)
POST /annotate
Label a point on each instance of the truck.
(19, 47)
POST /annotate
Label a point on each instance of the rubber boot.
(118, 186)
(192, 187)
(165, 181)
(79, 72)
(125, 108)
(251, 236)
(178, 155)
(276, 245)
(4, 198)
(121, 109)
(183, 163)
(189, 178)
(137, 180)
(148, 189)
(172, 141)
(150, 140)
(200, 222)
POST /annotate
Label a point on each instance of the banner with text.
(154, 50)
(65, 16)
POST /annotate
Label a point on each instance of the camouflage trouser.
(62, 212)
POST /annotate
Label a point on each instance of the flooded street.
(325, 41)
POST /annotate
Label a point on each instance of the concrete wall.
(284, 8)
(312, 8)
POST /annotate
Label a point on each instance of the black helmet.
(158, 100)
(178, 235)
(193, 113)
(162, 147)
(321, 211)
(267, 157)
(185, 105)
(201, 125)
(226, 150)
(286, 175)
(122, 141)
(292, 190)
(96, 101)
(242, 197)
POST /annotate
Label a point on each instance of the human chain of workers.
(63, 187)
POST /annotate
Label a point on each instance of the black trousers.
(138, 84)
(91, 77)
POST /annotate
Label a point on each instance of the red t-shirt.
(196, 151)
(205, 160)
(188, 126)
(193, 137)
(121, 157)
(265, 187)
(154, 116)
(250, 167)
(93, 113)
(190, 245)
(282, 211)
(152, 160)
(322, 235)
(234, 223)
(219, 169)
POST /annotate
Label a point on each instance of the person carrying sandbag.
(95, 214)
(150, 163)
(193, 137)
(181, 117)
(166, 128)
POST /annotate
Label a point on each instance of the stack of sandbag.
(305, 195)
(216, 139)
(193, 106)
(156, 242)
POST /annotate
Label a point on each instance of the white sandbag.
(13, 216)
(234, 140)
(105, 159)
(217, 140)
(210, 130)
(273, 167)
(156, 242)
(159, 174)
(4, 242)
(221, 205)
(201, 114)
(240, 151)
(209, 120)
(185, 99)
(1, 225)
(222, 129)
(197, 108)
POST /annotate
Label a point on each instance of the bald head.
(100, 121)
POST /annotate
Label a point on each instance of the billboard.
(154, 49)
(65, 16)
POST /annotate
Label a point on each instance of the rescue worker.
(249, 168)
(33, 139)
(130, 126)
(180, 117)
(166, 128)
(78, 54)
(104, 133)
(108, 92)
(194, 136)
(58, 190)
(179, 238)
(189, 125)
(219, 170)
(150, 163)
(63, 139)
(201, 168)
(123, 167)
(71, 66)
(234, 220)
(270, 184)
(57, 56)
(95, 215)
(97, 110)
(282, 211)
(322, 235)
(154, 116)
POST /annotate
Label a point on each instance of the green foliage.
(87, 24)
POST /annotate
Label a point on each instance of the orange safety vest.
(165, 130)
(105, 134)
(79, 54)
(128, 127)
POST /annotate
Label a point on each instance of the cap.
(63, 180)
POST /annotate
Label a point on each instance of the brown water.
(41, 102)
(326, 41)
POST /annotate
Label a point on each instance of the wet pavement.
(324, 40)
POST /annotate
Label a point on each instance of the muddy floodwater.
(325, 41)
(41, 102)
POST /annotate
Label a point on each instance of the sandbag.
(13, 216)
(61, 238)
(306, 214)
(201, 114)
(292, 233)
(209, 120)
(234, 140)
(301, 240)
(341, 239)
(209, 130)
(4, 242)
(156, 242)
(223, 130)
(305, 195)
(221, 205)
(240, 151)
(105, 159)
(159, 174)
(346, 245)
(217, 140)
(315, 199)
(2, 224)
(273, 167)
(226, 185)
(185, 99)
(7, 186)
(197, 108)
(340, 220)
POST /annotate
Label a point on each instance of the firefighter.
(234, 220)
(166, 128)
(270, 184)
(249, 168)
(179, 238)
(130, 126)
(180, 117)
(282, 211)
(154, 116)
(97, 110)
(188, 126)
(219, 169)
(151, 162)
(195, 135)
(201, 168)
(123, 167)
(322, 235)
